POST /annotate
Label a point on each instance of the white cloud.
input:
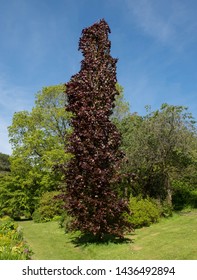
(168, 22)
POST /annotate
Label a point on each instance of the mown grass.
(173, 238)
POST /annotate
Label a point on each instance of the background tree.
(38, 141)
(90, 197)
(4, 163)
(40, 135)
(159, 148)
(121, 109)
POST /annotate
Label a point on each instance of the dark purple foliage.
(90, 197)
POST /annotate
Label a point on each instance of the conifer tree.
(90, 197)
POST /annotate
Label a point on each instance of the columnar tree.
(91, 198)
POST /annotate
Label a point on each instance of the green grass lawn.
(173, 238)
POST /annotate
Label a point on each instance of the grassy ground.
(174, 238)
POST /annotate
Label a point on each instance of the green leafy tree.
(15, 199)
(4, 163)
(40, 135)
(121, 109)
(158, 147)
(38, 141)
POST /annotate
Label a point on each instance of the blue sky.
(154, 40)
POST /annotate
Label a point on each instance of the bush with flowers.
(12, 244)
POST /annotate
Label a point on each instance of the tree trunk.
(168, 190)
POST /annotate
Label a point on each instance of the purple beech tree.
(91, 197)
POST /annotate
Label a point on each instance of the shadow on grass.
(87, 239)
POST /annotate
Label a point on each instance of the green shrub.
(12, 245)
(193, 199)
(166, 210)
(144, 212)
(49, 207)
(65, 222)
(183, 196)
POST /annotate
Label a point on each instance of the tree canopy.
(4, 163)
(38, 160)
(159, 147)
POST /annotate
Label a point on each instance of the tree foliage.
(160, 147)
(4, 163)
(121, 109)
(49, 207)
(95, 140)
(38, 141)
(37, 135)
